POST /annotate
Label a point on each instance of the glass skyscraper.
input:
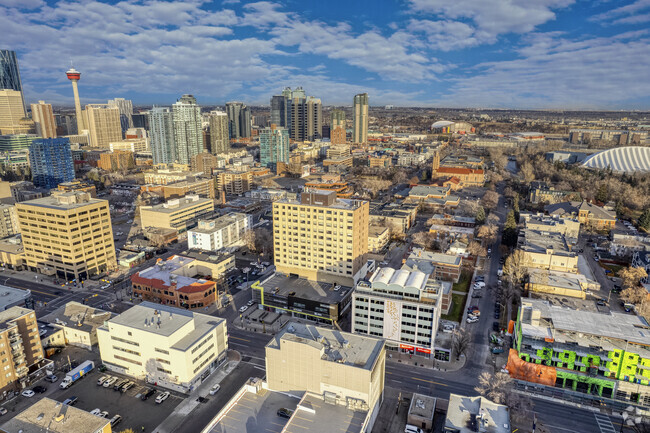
(161, 134)
(10, 74)
(274, 146)
(51, 161)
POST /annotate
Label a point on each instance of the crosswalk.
(604, 423)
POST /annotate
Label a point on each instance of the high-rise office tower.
(103, 124)
(12, 112)
(141, 120)
(188, 131)
(360, 119)
(274, 146)
(281, 109)
(44, 119)
(51, 161)
(306, 116)
(10, 74)
(321, 237)
(239, 119)
(219, 133)
(69, 233)
(74, 76)
(337, 127)
(161, 135)
(126, 112)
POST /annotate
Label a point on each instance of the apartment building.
(234, 182)
(116, 160)
(342, 368)
(321, 237)
(196, 186)
(378, 237)
(8, 220)
(183, 281)
(69, 234)
(568, 227)
(227, 230)
(179, 213)
(103, 123)
(547, 250)
(401, 306)
(132, 145)
(20, 347)
(167, 176)
(586, 213)
(541, 192)
(173, 347)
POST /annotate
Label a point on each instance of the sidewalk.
(418, 361)
(185, 408)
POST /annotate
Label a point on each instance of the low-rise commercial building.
(341, 368)
(468, 176)
(559, 283)
(178, 213)
(476, 414)
(79, 323)
(183, 281)
(196, 186)
(434, 196)
(401, 306)
(225, 231)
(172, 347)
(568, 227)
(398, 217)
(445, 267)
(47, 415)
(77, 185)
(12, 253)
(550, 251)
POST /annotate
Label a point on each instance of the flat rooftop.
(339, 203)
(340, 347)
(313, 415)
(419, 255)
(53, 202)
(557, 319)
(212, 225)
(564, 280)
(163, 272)
(47, 415)
(10, 296)
(283, 285)
(176, 204)
(535, 241)
(11, 314)
(78, 316)
(422, 406)
(464, 415)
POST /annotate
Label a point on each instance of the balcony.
(22, 371)
(15, 339)
(15, 347)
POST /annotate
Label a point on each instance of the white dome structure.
(628, 159)
(441, 124)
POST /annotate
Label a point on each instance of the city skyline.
(554, 54)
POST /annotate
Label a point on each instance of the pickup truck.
(76, 374)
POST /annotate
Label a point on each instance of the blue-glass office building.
(51, 162)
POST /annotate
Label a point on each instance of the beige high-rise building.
(12, 111)
(360, 119)
(337, 127)
(69, 234)
(234, 181)
(22, 346)
(219, 135)
(44, 119)
(321, 237)
(339, 367)
(103, 124)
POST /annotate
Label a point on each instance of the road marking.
(604, 423)
(38, 291)
(238, 338)
(428, 381)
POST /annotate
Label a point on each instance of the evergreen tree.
(620, 210)
(509, 237)
(644, 220)
(480, 215)
(603, 193)
(515, 206)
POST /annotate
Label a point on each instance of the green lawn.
(456, 311)
(463, 283)
(611, 267)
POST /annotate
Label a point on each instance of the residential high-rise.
(337, 127)
(219, 133)
(51, 161)
(74, 76)
(188, 131)
(274, 146)
(44, 119)
(22, 345)
(281, 109)
(306, 116)
(12, 111)
(103, 124)
(69, 233)
(239, 119)
(10, 73)
(360, 119)
(161, 135)
(321, 237)
(8, 221)
(126, 112)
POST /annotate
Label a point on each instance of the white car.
(250, 303)
(472, 319)
(215, 389)
(244, 308)
(479, 284)
(110, 382)
(162, 397)
(28, 393)
(96, 411)
(102, 379)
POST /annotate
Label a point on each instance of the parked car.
(96, 411)
(162, 397)
(28, 393)
(497, 350)
(103, 414)
(601, 302)
(497, 314)
(472, 319)
(250, 303)
(412, 429)
(102, 379)
(477, 294)
(284, 413)
(147, 393)
(496, 327)
(120, 384)
(70, 401)
(40, 389)
(215, 389)
(51, 378)
(127, 386)
(110, 382)
(115, 420)
(3, 411)
(479, 278)
(244, 308)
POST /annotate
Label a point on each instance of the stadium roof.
(629, 159)
(441, 124)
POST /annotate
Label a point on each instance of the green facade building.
(10, 143)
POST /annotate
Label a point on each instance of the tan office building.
(321, 237)
(116, 160)
(170, 346)
(19, 335)
(70, 234)
(103, 123)
(12, 111)
(199, 186)
(133, 145)
(234, 182)
(343, 368)
(178, 214)
(44, 120)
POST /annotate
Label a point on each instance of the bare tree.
(490, 200)
(630, 276)
(476, 249)
(527, 172)
(499, 388)
(460, 342)
(488, 233)
(493, 220)
(467, 208)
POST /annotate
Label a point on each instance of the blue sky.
(572, 54)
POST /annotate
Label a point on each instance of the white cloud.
(629, 9)
(22, 4)
(556, 72)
